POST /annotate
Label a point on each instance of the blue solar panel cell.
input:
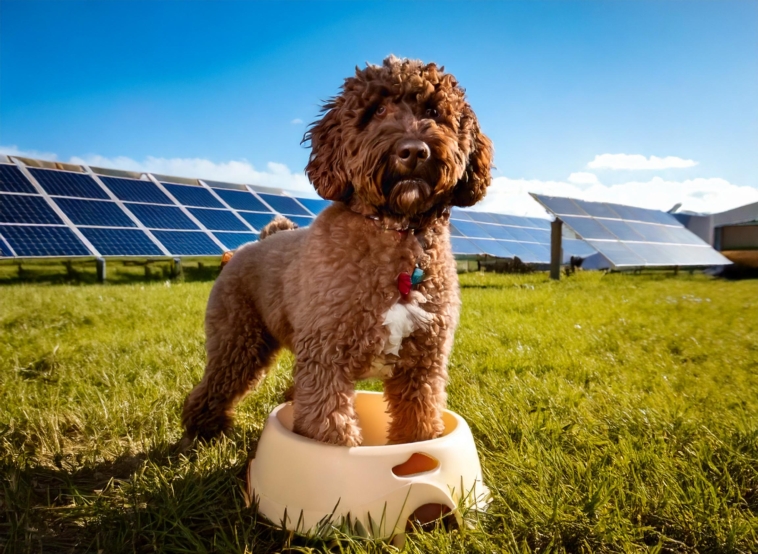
(66, 183)
(232, 241)
(218, 220)
(664, 218)
(617, 253)
(284, 204)
(258, 221)
(94, 212)
(241, 200)
(650, 253)
(471, 229)
(588, 228)
(188, 243)
(494, 248)
(579, 248)
(454, 231)
(315, 205)
(597, 209)
(631, 213)
(498, 231)
(301, 221)
(561, 206)
(193, 195)
(680, 235)
(133, 190)
(5, 251)
(540, 223)
(43, 241)
(524, 235)
(482, 217)
(121, 242)
(12, 180)
(464, 246)
(457, 213)
(621, 230)
(16, 208)
(161, 217)
(540, 235)
(652, 233)
(522, 251)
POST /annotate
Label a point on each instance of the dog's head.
(401, 139)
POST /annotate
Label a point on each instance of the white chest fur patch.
(402, 319)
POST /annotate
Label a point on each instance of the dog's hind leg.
(239, 349)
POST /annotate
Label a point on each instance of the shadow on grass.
(148, 502)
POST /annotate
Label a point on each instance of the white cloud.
(706, 195)
(637, 161)
(581, 178)
(233, 171)
(297, 121)
(13, 150)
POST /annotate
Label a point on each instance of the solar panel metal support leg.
(177, 271)
(100, 269)
(556, 233)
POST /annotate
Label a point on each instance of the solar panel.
(457, 213)
(94, 212)
(67, 183)
(43, 241)
(315, 205)
(258, 221)
(498, 231)
(240, 200)
(637, 237)
(133, 190)
(561, 206)
(218, 220)
(464, 246)
(471, 229)
(161, 217)
(283, 204)
(17, 208)
(192, 195)
(188, 243)
(121, 242)
(233, 241)
(5, 251)
(12, 180)
(301, 221)
(492, 247)
(482, 217)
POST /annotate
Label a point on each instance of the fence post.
(100, 269)
(556, 247)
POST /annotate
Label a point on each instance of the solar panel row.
(632, 237)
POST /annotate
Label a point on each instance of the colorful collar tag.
(417, 276)
(406, 281)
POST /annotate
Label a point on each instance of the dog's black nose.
(412, 153)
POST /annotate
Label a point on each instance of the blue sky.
(224, 89)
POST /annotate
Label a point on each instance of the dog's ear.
(326, 168)
(473, 185)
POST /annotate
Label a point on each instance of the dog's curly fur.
(394, 151)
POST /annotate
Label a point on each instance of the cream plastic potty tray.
(372, 490)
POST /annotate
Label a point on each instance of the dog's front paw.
(335, 431)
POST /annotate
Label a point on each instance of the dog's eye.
(431, 112)
(380, 110)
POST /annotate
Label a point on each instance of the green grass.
(612, 413)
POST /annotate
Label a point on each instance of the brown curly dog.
(370, 288)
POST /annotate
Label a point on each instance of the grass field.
(613, 413)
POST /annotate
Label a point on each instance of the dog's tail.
(279, 223)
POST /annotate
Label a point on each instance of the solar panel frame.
(256, 219)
